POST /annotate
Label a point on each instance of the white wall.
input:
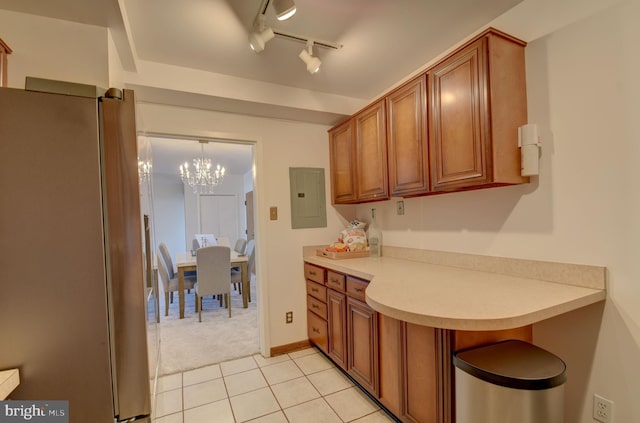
(168, 207)
(584, 94)
(54, 49)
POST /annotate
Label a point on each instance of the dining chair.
(171, 284)
(241, 245)
(171, 271)
(236, 273)
(213, 275)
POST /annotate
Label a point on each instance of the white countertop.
(456, 298)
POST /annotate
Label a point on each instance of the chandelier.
(144, 170)
(203, 178)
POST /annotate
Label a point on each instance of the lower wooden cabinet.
(408, 370)
(419, 373)
(337, 323)
(362, 338)
(317, 330)
(406, 366)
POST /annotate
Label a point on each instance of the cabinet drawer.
(317, 306)
(317, 331)
(356, 287)
(316, 290)
(314, 273)
(335, 281)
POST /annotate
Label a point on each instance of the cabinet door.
(407, 139)
(458, 126)
(342, 157)
(390, 357)
(362, 336)
(337, 323)
(419, 374)
(371, 154)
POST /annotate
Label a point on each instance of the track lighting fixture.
(262, 34)
(284, 9)
(306, 55)
(257, 40)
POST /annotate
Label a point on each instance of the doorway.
(177, 214)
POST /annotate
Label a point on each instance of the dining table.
(185, 262)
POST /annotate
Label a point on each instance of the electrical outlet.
(602, 409)
(400, 207)
(289, 317)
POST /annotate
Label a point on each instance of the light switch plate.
(273, 213)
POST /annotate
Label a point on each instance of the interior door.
(219, 216)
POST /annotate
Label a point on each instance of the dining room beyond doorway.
(177, 214)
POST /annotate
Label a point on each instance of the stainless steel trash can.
(509, 382)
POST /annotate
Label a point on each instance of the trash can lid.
(513, 364)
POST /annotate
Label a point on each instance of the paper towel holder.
(529, 143)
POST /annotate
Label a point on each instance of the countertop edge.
(576, 297)
(508, 322)
(9, 380)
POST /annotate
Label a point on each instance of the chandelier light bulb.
(203, 180)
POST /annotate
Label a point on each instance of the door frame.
(259, 265)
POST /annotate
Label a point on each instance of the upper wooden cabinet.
(453, 128)
(342, 154)
(477, 102)
(358, 157)
(371, 153)
(407, 139)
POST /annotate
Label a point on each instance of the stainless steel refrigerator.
(72, 295)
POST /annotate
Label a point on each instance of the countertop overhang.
(459, 298)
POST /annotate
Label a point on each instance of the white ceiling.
(383, 42)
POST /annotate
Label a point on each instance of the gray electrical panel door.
(308, 202)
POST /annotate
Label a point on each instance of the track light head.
(284, 9)
(306, 55)
(257, 40)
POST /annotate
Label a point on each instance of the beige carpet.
(187, 344)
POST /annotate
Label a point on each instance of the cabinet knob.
(315, 330)
(314, 305)
(314, 289)
(359, 289)
(312, 272)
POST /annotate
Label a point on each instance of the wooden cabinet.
(342, 155)
(4, 52)
(452, 128)
(337, 323)
(358, 157)
(477, 102)
(362, 338)
(406, 367)
(409, 370)
(371, 154)
(407, 139)
(389, 356)
(317, 312)
(337, 317)
(420, 369)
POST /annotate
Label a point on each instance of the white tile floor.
(301, 387)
